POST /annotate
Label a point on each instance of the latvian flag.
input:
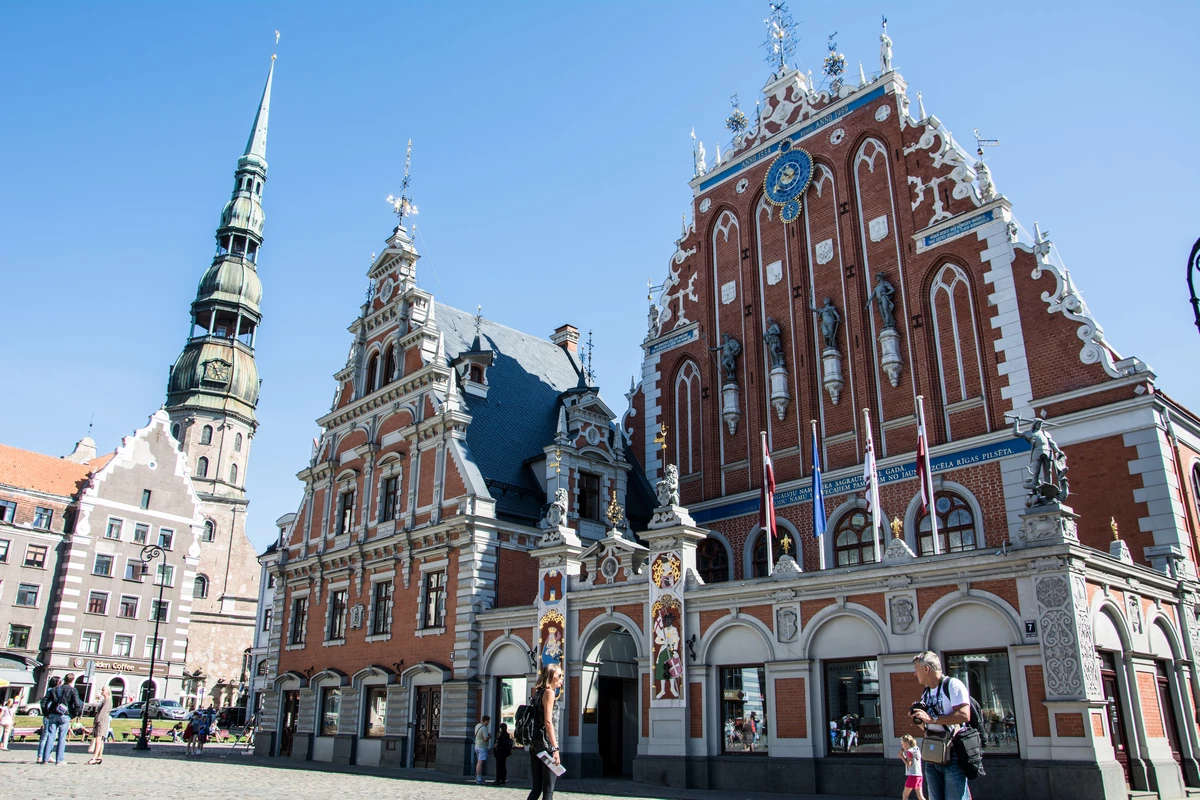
(766, 511)
(925, 476)
(871, 489)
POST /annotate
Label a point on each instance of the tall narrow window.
(345, 512)
(712, 561)
(389, 366)
(145, 498)
(686, 427)
(237, 443)
(200, 587)
(372, 377)
(140, 532)
(206, 434)
(589, 496)
(299, 620)
(435, 599)
(337, 615)
(201, 467)
(266, 623)
(233, 474)
(391, 487)
(960, 368)
(381, 615)
(210, 531)
(852, 540)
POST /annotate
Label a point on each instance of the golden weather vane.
(661, 436)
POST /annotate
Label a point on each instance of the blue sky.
(550, 161)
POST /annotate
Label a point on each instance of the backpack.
(526, 726)
(970, 739)
(976, 720)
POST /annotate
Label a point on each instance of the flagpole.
(927, 480)
(767, 512)
(818, 500)
(873, 492)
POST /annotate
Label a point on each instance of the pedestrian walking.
(100, 726)
(482, 737)
(64, 705)
(503, 749)
(44, 743)
(910, 754)
(949, 709)
(545, 740)
(7, 720)
(189, 733)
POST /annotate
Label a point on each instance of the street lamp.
(149, 553)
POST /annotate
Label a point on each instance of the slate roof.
(519, 415)
(24, 469)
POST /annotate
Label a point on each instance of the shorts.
(913, 782)
(481, 753)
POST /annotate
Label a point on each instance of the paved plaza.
(229, 773)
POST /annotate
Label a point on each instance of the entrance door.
(291, 713)
(616, 731)
(1116, 714)
(427, 722)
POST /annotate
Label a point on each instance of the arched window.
(206, 435)
(389, 366)
(210, 531)
(852, 539)
(712, 561)
(955, 523)
(1196, 487)
(758, 557)
(201, 467)
(956, 336)
(175, 431)
(233, 474)
(200, 587)
(237, 443)
(687, 418)
(372, 374)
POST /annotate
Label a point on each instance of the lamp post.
(1192, 268)
(149, 553)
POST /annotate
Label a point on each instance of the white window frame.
(112, 561)
(170, 532)
(290, 608)
(99, 643)
(160, 650)
(137, 606)
(37, 601)
(108, 528)
(343, 586)
(132, 644)
(164, 601)
(383, 577)
(441, 565)
(137, 570)
(107, 601)
(159, 570)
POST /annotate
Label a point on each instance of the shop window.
(712, 561)
(852, 706)
(331, 709)
(955, 524)
(373, 722)
(744, 710)
(989, 682)
(589, 496)
(852, 540)
(511, 694)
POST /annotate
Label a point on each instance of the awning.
(18, 677)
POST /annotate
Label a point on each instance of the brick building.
(845, 254)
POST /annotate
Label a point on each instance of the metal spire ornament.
(736, 122)
(403, 205)
(835, 66)
(781, 39)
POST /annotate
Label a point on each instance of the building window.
(164, 575)
(8, 511)
(175, 431)
(852, 540)
(35, 555)
(160, 610)
(266, 625)
(589, 496)
(989, 680)
(89, 642)
(345, 512)
(141, 532)
(122, 645)
(955, 523)
(758, 557)
(166, 538)
(511, 694)
(237, 443)
(133, 570)
(381, 613)
(373, 726)
(435, 599)
(744, 709)
(27, 594)
(337, 615)
(157, 646)
(233, 474)
(97, 603)
(391, 499)
(852, 706)
(4, 545)
(270, 581)
(389, 366)
(129, 607)
(145, 498)
(201, 467)
(206, 435)
(372, 368)
(200, 587)
(18, 636)
(103, 566)
(331, 709)
(299, 620)
(210, 531)
(42, 517)
(263, 668)
(712, 561)
(113, 531)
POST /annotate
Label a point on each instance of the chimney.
(566, 337)
(85, 451)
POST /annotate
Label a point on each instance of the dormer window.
(475, 375)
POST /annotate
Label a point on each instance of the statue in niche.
(556, 514)
(668, 488)
(882, 296)
(830, 319)
(730, 348)
(1047, 480)
(774, 336)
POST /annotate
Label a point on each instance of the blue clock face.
(788, 176)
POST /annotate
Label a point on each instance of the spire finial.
(781, 38)
(256, 145)
(834, 66)
(921, 107)
(1112, 525)
(403, 205)
(591, 374)
(276, 45)
(478, 318)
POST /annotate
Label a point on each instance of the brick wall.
(1004, 589)
(874, 602)
(928, 596)
(791, 709)
(633, 611)
(646, 706)
(1151, 713)
(1069, 725)
(1097, 725)
(573, 706)
(905, 692)
(1035, 685)
(696, 710)
(516, 579)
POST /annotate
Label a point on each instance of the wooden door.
(291, 713)
(427, 723)
(1116, 714)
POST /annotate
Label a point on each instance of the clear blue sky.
(550, 161)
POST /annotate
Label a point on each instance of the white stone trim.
(999, 256)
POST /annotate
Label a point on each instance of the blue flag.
(817, 493)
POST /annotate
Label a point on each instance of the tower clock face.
(787, 179)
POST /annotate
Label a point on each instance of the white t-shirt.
(913, 766)
(481, 735)
(944, 699)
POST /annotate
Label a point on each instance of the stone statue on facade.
(556, 514)
(701, 164)
(885, 52)
(829, 319)
(667, 489)
(652, 321)
(774, 337)
(1047, 479)
(881, 295)
(730, 348)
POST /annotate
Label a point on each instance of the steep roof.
(518, 417)
(25, 469)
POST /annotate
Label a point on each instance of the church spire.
(256, 145)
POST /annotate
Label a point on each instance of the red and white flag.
(925, 475)
(766, 507)
(871, 486)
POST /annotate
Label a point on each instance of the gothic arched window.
(389, 366)
(233, 474)
(237, 443)
(956, 339)
(1196, 487)
(201, 467)
(210, 531)
(200, 587)
(852, 539)
(372, 374)
(712, 561)
(206, 435)
(758, 558)
(175, 431)
(687, 418)
(955, 523)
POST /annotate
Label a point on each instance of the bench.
(154, 735)
(21, 734)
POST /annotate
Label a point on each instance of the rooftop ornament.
(780, 45)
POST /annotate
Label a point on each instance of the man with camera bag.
(944, 709)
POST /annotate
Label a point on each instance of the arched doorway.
(116, 688)
(147, 690)
(608, 702)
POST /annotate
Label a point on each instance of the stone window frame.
(376, 579)
(327, 640)
(297, 638)
(132, 644)
(107, 597)
(440, 565)
(108, 529)
(37, 595)
(99, 642)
